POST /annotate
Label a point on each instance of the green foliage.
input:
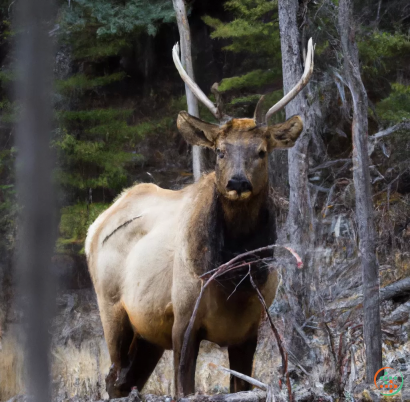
(246, 99)
(74, 223)
(254, 30)
(396, 107)
(9, 111)
(251, 28)
(8, 205)
(94, 148)
(94, 116)
(116, 18)
(88, 47)
(96, 29)
(382, 52)
(7, 76)
(80, 82)
(252, 80)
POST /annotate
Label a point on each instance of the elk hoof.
(110, 384)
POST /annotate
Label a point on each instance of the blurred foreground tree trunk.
(364, 204)
(35, 191)
(198, 154)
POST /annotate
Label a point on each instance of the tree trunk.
(34, 168)
(364, 206)
(299, 230)
(198, 155)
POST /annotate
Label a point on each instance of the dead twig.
(224, 268)
(246, 378)
(328, 164)
(282, 351)
(404, 125)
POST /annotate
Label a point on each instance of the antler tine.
(299, 86)
(192, 85)
(258, 114)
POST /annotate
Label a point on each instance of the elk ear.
(196, 131)
(284, 135)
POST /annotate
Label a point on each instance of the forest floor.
(80, 359)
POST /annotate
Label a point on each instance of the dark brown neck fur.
(242, 217)
(219, 229)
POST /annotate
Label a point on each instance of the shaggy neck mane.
(219, 229)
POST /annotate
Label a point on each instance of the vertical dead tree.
(299, 213)
(298, 230)
(35, 194)
(364, 205)
(198, 157)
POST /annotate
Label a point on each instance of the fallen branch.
(246, 396)
(396, 289)
(246, 378)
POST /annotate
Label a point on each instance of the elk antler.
(299, 86)
(193, 86)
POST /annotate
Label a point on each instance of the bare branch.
(246, 378)
(391, 130)
(299, 86)
(192, 85)
(224, 268)
(328, 164)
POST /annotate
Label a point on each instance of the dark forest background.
(116, 98)
(117, 94)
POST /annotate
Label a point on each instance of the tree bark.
(299, 230)
(198, 154)
(364, 205)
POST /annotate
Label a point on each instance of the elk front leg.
(241, 360)
(184, 375)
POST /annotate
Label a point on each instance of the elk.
(147, 252)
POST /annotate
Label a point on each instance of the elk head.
(242, 146)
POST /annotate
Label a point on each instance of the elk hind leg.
(118, 334)
(241, 360)
(144, 357)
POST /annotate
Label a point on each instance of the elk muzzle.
(238, 188)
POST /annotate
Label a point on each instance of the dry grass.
(80, 371)
(208, 380)
(11, 368)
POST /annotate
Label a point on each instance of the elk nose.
(239, 184)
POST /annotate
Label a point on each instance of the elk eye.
(262, 154)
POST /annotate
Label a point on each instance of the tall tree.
(300, 217)
(364, 205)
(198, 157)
